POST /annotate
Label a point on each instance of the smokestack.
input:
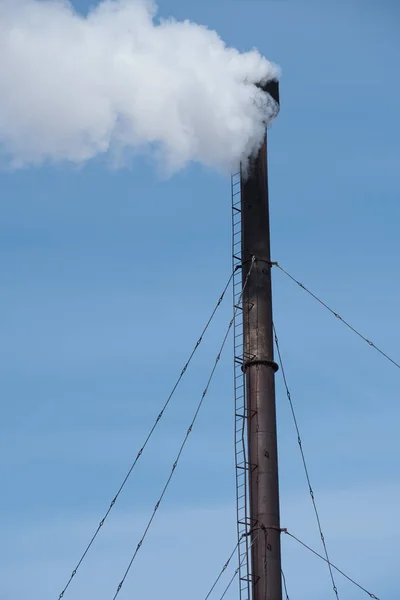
(260, 368)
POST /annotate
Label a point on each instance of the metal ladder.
(241, 462)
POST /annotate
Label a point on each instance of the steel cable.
(237, 570)
(156, 422)
(230, 582)
(224, 567)
(285, 585)
(335, 314)
(331, 565)
(303, 458)
(175, 464)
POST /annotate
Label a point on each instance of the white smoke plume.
(119, 79)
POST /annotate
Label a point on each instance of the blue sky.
(107, 278)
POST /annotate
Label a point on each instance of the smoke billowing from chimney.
(119, 80)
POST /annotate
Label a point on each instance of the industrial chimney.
(259, 368)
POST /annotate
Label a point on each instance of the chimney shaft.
(260, 368)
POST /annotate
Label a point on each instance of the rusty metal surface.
(260, 369)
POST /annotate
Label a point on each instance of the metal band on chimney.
(257, 361)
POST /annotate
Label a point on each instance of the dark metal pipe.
(260, 368)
